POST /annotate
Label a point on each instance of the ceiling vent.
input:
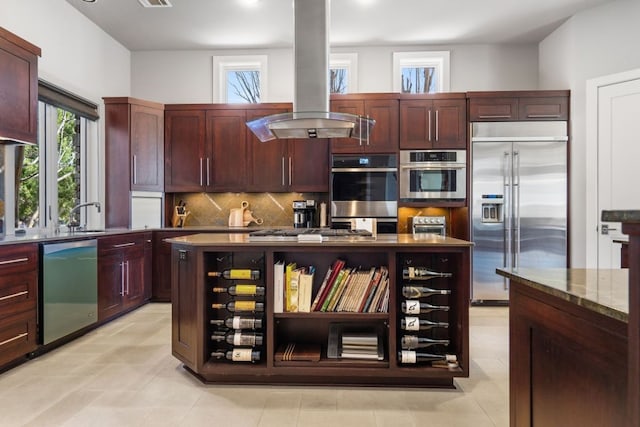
(155, 3)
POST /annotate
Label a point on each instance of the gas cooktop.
(302, 233)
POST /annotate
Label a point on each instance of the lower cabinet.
(18, 301)
(568, 365)
(122, 273)
(231, 330)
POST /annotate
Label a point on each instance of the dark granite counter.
(237, 239)
(602, 291)
(628, 216)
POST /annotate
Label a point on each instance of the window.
(48, 179)
(343, 72)
(421, 72)
(240, 79)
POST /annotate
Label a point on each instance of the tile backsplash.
(212, 209)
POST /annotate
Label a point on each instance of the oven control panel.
(429, 225)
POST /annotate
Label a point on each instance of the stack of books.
(345, 342)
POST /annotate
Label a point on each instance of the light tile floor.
(123, 374)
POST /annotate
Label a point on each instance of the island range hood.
(311, 117)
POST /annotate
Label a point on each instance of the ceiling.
(237, 24)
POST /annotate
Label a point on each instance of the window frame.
(224, 64)
(440, 60)
(350, 62)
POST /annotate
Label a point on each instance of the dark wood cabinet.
(567, 363)
(161, 284)
(433, 122)
(284, 165)
(122, 273)
(226, 160)
(192, 311)
(18, 301)
(184, 153)
(134, 152)
(205, 148)
(18, 88)
(383, 108)
(518, 105)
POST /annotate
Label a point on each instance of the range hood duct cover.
(311, 117)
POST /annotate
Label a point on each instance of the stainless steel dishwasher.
(68, 288)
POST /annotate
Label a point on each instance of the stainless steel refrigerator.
(519, 202)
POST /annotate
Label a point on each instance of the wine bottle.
(416, 324)
(239, 322)
(410, 356)
(238, 355)
(234, 306)
(240, 338)
(236, 273)
(421, 273)
(243, 289)
(409, 342)
(421, 292)
(417, 307)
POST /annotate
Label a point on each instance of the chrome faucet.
(73, 222)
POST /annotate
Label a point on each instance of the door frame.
(592, 216)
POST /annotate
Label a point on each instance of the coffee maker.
(304, 213)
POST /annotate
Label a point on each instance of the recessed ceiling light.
(249, 3)
(89, 1)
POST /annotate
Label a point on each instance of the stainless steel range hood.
(311, 117)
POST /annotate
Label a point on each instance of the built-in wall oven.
(433, 175)
(365, 186)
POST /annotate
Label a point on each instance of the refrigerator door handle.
(516, 207)
(506, 182)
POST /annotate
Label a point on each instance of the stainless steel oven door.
(364, 193)
(433, 182)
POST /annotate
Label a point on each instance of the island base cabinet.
(300, 347)
(568, 364)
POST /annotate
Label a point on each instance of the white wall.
(594, 43)
(77, 56)
(186, 77)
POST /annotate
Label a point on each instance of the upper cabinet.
(18, 88)
(134, 136)
(226, 164)
(205, 148)
(284, 165)
(433, 121)
(518, 105)
(184, 151)
(383, 108)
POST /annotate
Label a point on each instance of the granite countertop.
(38, 236)
(242, 239)
(604, 291)
(627, 216)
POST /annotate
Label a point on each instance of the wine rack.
(425, 296)
(235, 294)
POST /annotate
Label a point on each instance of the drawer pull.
(124, 245)
(14, 261)
(14, 295)
(17, 337)
(543, 116)
(503, 116)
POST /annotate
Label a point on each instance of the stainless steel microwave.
(433, 175)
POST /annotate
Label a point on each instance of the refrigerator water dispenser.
(492, 205)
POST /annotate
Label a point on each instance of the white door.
(618, 172)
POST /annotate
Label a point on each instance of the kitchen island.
(301, 347)
(568, 346)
